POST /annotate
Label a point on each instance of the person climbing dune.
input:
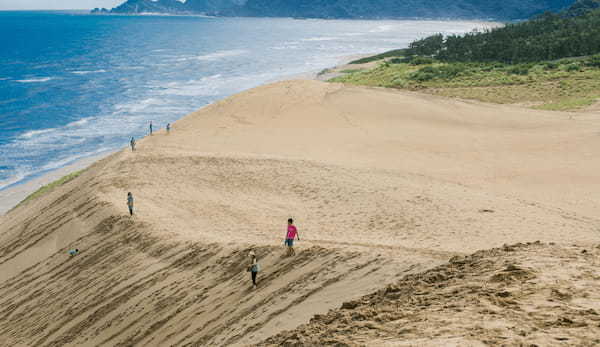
(291, 234)
(130, 203)
(254, 268)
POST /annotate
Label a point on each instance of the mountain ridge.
(346, 9)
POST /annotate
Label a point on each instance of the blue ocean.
(74, 85)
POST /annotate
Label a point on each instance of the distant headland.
(346, 9)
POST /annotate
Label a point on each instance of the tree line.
(570, 33)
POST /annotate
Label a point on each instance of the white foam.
(137, 106)
(33, 133)
(71, 159)
(78, 123)
(131, 68)
(324, 38)
(36, 80)
(206, 86)
(17, 177)
(87, 72)
(382, 28)
(25, 172)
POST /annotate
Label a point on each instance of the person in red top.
(291, 234)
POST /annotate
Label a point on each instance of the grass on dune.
(45, 189)
(389, 54)
(560, 85)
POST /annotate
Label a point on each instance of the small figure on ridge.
(130, 203)
(132, 143)
(254, 268)
(150, 127)
(168, 128)
(292, 232)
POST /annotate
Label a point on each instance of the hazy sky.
(56, 4)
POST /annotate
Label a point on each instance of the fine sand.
(381, 183)
(521, 295)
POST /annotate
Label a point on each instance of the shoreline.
(12, 196)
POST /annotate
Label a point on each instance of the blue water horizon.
(75, 85)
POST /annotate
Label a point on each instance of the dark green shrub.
(418, 60)
(573, 68)
(394, 53)
(443, 72)
(593, 61)
(422, 76)
(397, 60)
(425, 74)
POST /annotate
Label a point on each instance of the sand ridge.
(524, 294)
(381, 183)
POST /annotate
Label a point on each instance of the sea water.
(74, 85)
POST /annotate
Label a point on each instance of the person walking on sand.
(132, 143)
(150, 127)
(254, 268)
(291, 234)
(168, 128)
(130, 203)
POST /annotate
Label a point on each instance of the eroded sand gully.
(381, 183)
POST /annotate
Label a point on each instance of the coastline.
(12, 196)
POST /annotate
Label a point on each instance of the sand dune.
(382, 184)
(522, 295)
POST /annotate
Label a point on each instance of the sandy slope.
(522, 295)
(382, 183)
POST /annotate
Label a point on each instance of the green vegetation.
(571, 33)
(531, 62)
(389, 54)
(352, 70)
(45, 189)
(558, 85)
(323, 72)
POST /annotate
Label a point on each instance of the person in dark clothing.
(168, 128)
(132, 143)
(130, 203)
(254, 268)
(150, 127)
